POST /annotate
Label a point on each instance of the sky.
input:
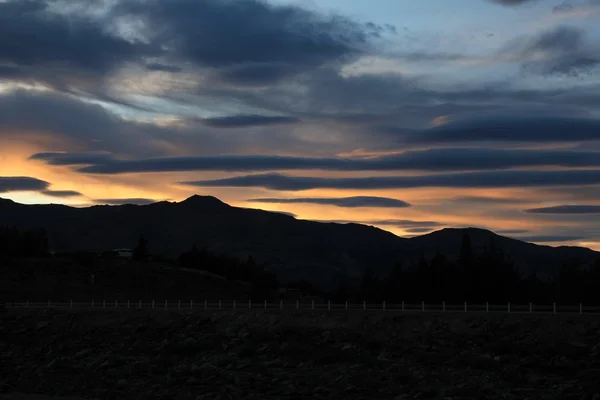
(407, 115)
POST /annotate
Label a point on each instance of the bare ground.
(159, 354)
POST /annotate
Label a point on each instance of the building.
(124, 253)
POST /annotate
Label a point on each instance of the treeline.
(490, 276)
(23, 243)
(264, 282)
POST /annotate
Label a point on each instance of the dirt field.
(158, 354)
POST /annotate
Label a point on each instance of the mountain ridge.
(320, 252)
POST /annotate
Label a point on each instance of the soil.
(274, 354)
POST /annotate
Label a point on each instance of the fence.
(383, 307)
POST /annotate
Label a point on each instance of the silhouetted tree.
(141, 251)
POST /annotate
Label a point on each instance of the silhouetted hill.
(296, 249)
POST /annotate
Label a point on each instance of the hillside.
(295, 249)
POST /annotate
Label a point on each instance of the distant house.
(123, 253)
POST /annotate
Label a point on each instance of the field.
(173, 354)
(63, 279)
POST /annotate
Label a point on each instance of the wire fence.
(328, 306)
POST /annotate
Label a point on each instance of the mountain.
(295, 249)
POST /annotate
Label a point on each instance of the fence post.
(443, 306)
(580, 308)
(554, 308)
(423, 306)
(384, 305)
(219, 303)
(178, 303)
(329, 304)
(346, 304)
(166, 306)
(265, 304)
(312, 305)
(48, 303)
(140, 304)
(364, 305)
(115, 303)
(27, 303)
(191, 304)
(487, 307)
(280, 304)
(71, 303)
(509, 306)
(205, 304)
(92, 303)
(152, 303)
(104, 303)
(402, 305)
(465, 306)
(297, 304)
(234, 304)
(530, 308)
(249, 303)
(127, 303)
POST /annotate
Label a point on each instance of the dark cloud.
(21, 183)
(61, 193)
(399, 223)
(405, 223)
(240, 121)
(248, 34)
(445, 159)
(566, 209)
(549, 238)
(565, 51)
(507, 128)
(512, 231)
(512, 2)
(116, 202)
(488, 179)
(351, 202)
(485, 200)
(418, 230)
(72, 158)
(41, 45)
(163, 68)
(563, 8)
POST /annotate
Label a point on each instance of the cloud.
(116, 202)
(40, 44)
(163, 68)
(444, 159)
(511, 128)
(263, 42)
(418, 230)
(512, 2)
(61, 193)
(21, 183)
(54, 158)
(240, 121)
(488, 179)
(549, 238)
(486, 200)
(399, 223)
(350, 202)
(566, 210)
(511, 231)
(562, 50)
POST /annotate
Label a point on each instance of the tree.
(141, 251)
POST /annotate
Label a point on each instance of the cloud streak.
(488, 179)
(21, 183)
(566, 210)
(464, 159)
(348, 202)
